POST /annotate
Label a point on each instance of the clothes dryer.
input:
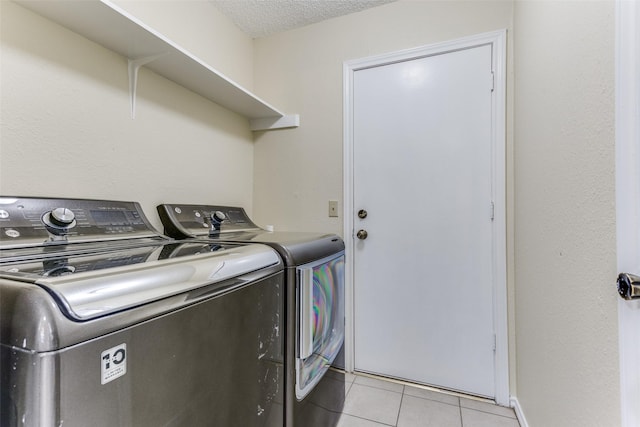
(314, 303)
(105, 322)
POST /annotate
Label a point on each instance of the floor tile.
(373, 404)
(340, 374)
(431, 395)
(473, 418)
(347, 388)
(328, 394)
(350, 421)
(348, 378)
(379, 383)
(417, 412)
(487, 407)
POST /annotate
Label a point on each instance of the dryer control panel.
(182, 221)
(25, 221)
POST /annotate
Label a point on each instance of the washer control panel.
(181, 221)
(25, 220)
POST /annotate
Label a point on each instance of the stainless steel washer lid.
(92, 294)
(232, 224)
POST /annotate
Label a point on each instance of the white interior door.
(628, 199)
(423, 172)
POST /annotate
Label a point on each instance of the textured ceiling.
(260, 18)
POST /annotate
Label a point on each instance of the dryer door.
(320, 319)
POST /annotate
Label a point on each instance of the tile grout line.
(348, 390)
(369, 419)
(433, 400)
(460, 411)
(489, 413)
(378, 388)
(400, 407)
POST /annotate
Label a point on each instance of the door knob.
(628, 286)
(362, 214)
(362, 234)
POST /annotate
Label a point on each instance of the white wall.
(566, 308)
(66, 129)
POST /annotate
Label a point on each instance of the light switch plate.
(333, 208)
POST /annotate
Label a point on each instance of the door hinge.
(493, 81)
(493, 211)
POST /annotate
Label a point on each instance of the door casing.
(497, 40)
(628, 200)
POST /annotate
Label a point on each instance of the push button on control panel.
(10, 232)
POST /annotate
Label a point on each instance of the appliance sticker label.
(114, 363)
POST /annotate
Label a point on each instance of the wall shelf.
(110, 26)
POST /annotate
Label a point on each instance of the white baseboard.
(519, 414)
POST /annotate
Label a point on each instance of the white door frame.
(628, 199)
(497, 40)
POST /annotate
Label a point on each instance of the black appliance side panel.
(215, 363)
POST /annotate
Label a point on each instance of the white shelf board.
(110, 26)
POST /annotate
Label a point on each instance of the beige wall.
(198, 27)
(566, 308)
(66, 131)
(66, 126)
(297, 171)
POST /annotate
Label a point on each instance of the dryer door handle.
(306, 313)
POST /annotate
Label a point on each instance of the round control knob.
(218, 216)
(362, 234)
(59, 221)
(62, 217)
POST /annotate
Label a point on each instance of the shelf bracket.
(270, 123)
(133, 67)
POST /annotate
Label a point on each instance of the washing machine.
(105, 322)
(314, 303)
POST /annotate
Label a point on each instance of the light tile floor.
(373, 402)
